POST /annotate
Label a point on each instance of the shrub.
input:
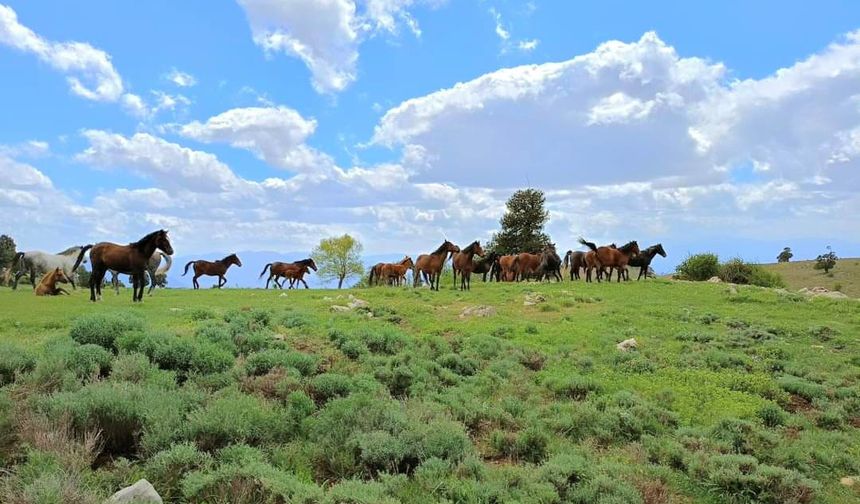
(15, 360)
(233, 417)
(183, 355)
(765, 278)
(89, 361)
(328, 386)
(735, 271)
(733, 476)
(458, 364)
(565, 471)
(262, 362)
(772, 415)
(103, 329)
(166, 468)
(201, 313)
(359, 492)
(136, 368)
(529, 444)
(804, 388)
(741, 436)
(217, 333)
(605, 489)
(698, 267)
(575, 387)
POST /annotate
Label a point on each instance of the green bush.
(233, 417)
(575, 387)
(458, 364)
(136, 368)
(103, 329)
(802, 387)
(327, 386)
(739, 272)
(183, 355)
(15, 360)
(260, 363)
(698, 267)
(359, 492)
(166, 468)
(772, 415)
(605, 489)
(89, 361)
(565, 471)
(740, 478)
(529, 445)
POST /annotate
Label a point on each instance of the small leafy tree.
(7, 251)
(522, 224)
(785, 255)
(338, 258)
(826, 261)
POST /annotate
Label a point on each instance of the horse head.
(162, 241)
(60, 276)
(233, 259)
(312, 264)
(659, 248)
(408, 262)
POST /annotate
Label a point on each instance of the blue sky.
(267, 125)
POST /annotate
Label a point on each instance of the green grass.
(845, 277)
(416, 404)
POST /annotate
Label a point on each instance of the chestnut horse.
(375, 273)
(508, 266)
(430, 265)
(130, 259)
(395, 273)
(48, 284)
(294, 272)
(462, 262)
(527, 265)
(212, 268)
(610, 257)
(574, 261)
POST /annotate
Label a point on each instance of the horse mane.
(440, 249)
(628, 247)
(140, 244)
(304, 262)
(228, 257)
(471, 248)
(70, 250)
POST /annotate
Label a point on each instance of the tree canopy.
(522, 224)
(338, 258)
(785, 255)
(7, 251)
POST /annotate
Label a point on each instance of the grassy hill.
(845, 277)
(740, 394)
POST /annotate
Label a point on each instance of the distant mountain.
(252, 264)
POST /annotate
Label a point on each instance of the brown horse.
(395, 273)
(462, 262)
(430, 265)
(527, 265)
(48, 284)
(574, 261)
(375, 274)
(128, 259)
(611, 257)
(294, 272)
(508, 265)
(212, 268)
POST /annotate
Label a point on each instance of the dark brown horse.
(463, 263)
(430, 265)
(574, 261)
(375, 274)
(508, 266)
(643, 260)
(488, 264)
(212, 268)
(395, 273)
(610, 257)
(130, 259)
(294, 272)
(550, 264)
(48, 284)
(527, 265)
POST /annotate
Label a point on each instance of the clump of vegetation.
(826, 261)
(739, 272)
(103, 329)
(784, 256)
(698, 267)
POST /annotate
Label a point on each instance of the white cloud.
(326, 34)
(88, 70)
(181, 79)
(501, 31)
(528, 45)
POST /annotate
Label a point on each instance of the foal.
(463, 262)
(48, 284)
(213, 268)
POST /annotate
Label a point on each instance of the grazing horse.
(128, 259)
(508, 266)
(395, 273)
(527, 265)
(294, 271)
(152, 268)
(212, 268)
(487, 264)
(48, 284)
(609, 257)
(38, 263)
(550, 264)
(430, 265)
(643, 260)
(463, 263)
(574, 261)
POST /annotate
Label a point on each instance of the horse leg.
(195, 283)
(220, 278)
(18, 275)
(72, 280)
(306, 284)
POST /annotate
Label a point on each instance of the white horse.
(37, 263)
(152, 268)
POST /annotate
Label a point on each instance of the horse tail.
(370, 280)
(588, 244)
(168, 263)
(268, 266)
(186, 267)
(81, 257)
(567, 259)
(415, 278)
(18, 257)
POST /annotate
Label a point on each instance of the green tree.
(7, 251)
(338, 258)
(785, 255)
(522, 224)
(826, 261)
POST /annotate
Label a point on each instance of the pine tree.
(522, 224)
(7, 251)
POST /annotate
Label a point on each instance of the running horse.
(212, 268)
(294, 272)
(609, 257)
(643, 260)
(463, 263)
(430, 265)
(574, 261)
(130, 259)
(395, 273)
(48, 284)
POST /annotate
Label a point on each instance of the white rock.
(478, 311)
(340, 308)
(141, 492)
(628, 344)
(714, 279)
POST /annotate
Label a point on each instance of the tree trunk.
(340, 282)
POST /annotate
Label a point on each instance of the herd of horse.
(144, 257)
